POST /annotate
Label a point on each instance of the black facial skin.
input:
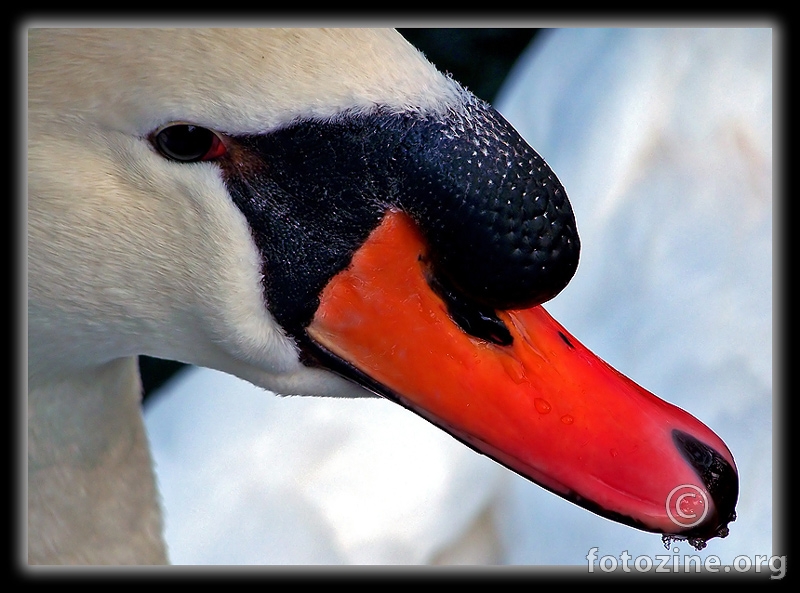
(500, 229)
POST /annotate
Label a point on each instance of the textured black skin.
(498, 222)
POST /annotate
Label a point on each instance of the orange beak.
(544, 405)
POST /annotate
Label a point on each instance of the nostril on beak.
(476, 319)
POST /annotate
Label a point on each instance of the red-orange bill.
(544, 406)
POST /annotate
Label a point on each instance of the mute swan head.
(319, 212)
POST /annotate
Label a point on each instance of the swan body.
(249, 479)
(282, 206)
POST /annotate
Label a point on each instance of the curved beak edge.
(543, 406)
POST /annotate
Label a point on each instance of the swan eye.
(188, 143)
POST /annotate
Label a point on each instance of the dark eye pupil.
(185, 142)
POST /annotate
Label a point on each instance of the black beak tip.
(722, 483)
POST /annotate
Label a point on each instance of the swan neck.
(91, 489)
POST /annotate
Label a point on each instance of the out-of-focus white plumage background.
(663, 140)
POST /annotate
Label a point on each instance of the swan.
(282, 206)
